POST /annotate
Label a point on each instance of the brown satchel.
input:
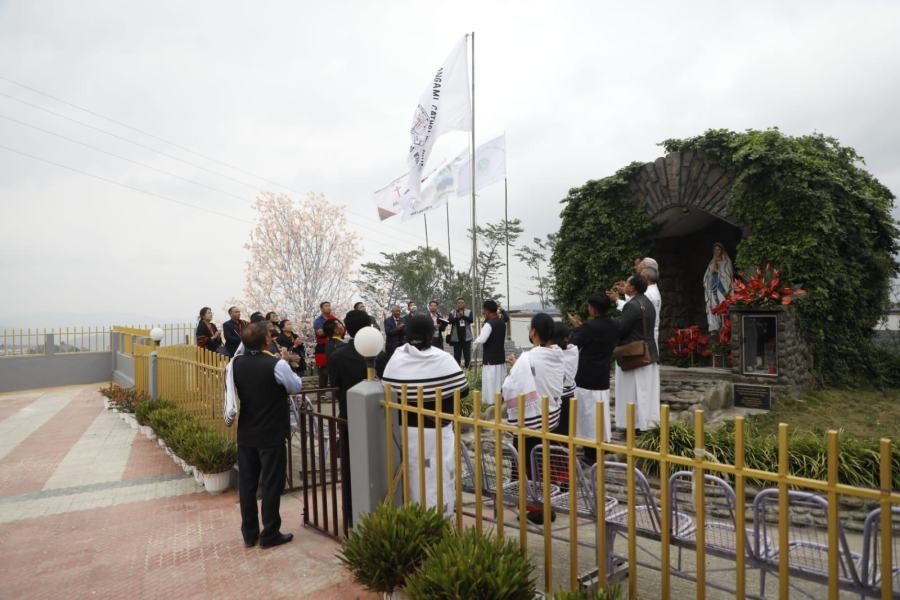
(636, 354)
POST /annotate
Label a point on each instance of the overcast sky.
(301, 96)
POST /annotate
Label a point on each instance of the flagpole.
(506, 228)
(449, 256)
(427, 246)
(474, 230)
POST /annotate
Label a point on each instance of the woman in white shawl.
(717, 284)
(418, 364)
(538, 372)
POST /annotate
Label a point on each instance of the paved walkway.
(89, 508)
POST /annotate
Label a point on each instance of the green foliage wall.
(806, 205)
(603, 230)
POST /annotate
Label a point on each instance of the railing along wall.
(625, 518)
(63, 340)
(194, 379)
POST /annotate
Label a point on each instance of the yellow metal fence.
(194, 379)
(626, 513)
(142, 367)
(173, 334)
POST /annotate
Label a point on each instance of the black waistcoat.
(264, 420)
(494, 353)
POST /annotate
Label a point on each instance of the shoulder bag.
(636, 354)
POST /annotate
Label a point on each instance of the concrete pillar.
(152, 376)
(368, 447)
(48, 344)
(113, 349)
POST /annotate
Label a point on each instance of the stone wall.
(793, 355)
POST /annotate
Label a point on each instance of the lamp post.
(369, 343)
(366, 431)
(156, 334)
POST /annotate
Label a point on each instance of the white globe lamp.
(369, 343)
(156, 334)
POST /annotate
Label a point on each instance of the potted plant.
(389, 544)
(214, 455)
(472, 565)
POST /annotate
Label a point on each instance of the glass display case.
(759, 350)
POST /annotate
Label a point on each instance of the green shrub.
(471, 565)
(184, 435)
(613, 592)
(389, 544)
(162, 420)
(858, 460)
(211, 452)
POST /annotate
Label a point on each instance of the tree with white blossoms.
(301, 253)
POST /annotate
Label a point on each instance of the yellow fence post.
(439, 447)
(545, 497)
(887, 530)
(573, 499)
(740, 534)
(523, 522)
(421, 438)
(665, 515)
(498, 458)
(629, 483)
(404, 437)
(833, 524)
(699, 503)
(457, 433)
(476, 414)
(600, 486)
(784, 521)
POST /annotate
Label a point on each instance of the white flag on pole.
(452, 178)
(390, 199)
(445, 105)
(490, 166)
(437, 189)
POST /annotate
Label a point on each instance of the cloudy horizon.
(296, 98)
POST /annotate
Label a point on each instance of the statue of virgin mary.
(717, 284)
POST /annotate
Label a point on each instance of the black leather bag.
(636, 354)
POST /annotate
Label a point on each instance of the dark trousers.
(323, 376)
(264, 468)
(438, 342)
(463, 349)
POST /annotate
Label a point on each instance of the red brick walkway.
(140, 528)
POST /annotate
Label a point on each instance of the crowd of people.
(563, 363)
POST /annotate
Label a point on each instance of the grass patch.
(862, 414)
(861, 417)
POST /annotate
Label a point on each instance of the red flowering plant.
(765, 288)
(688, 342)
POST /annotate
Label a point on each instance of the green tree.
(418, 276)
(537, 258)
(492, 240)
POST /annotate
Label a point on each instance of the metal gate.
(324, 461)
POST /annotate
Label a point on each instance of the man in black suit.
(232, 329)
(394, 331)
(346, 368)
(262, 383)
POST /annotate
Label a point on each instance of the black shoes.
(250, 543)
(281, 538)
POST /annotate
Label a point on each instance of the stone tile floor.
(91, 509)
